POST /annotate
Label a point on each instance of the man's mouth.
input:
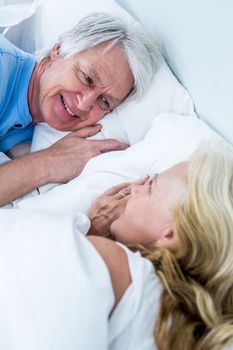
(68, 108)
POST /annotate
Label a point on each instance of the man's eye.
(83, 77)
(104, 104)
(88, 80)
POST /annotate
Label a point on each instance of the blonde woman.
(183, 220)
(63, 290)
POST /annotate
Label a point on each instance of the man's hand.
(60, 162)
(67, 157)
(109, 206)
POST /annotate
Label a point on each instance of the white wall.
(197, 41)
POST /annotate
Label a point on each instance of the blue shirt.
(16, 67)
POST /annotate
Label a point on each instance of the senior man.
(88, 72)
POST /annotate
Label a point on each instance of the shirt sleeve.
(8, 64)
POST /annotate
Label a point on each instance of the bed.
(189, 101)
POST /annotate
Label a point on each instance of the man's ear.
(55, 51)
(167, 238)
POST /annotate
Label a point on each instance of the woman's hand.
(108, 207)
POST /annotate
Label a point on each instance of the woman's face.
(147, 218)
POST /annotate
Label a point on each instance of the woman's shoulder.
(116, 260)
(126, 268)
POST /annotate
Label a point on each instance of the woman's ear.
(55, 51)
(167, 238)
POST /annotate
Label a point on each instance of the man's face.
(73, 93)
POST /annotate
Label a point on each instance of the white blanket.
(47, 297)
(56, 291)
(171, 139)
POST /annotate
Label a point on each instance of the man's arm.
(59, 163)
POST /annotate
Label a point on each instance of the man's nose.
(86, 100)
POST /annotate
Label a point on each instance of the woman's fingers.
(115, 189)
(140, 181)
(124, 188)
(123, 193)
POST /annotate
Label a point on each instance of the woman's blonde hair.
(196, 309)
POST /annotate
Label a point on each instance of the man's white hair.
(141, 50)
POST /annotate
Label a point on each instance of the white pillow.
(165, 95)
(171, 139)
